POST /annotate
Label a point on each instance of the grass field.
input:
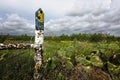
(63, 60)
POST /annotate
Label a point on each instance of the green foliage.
(80, 37)
(2, 38)
(16, 39)
(85, 37)
(73, 53)
(16, 65)
(65, 57)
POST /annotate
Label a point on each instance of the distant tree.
(2, 38)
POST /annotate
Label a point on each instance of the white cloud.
(70, 25)
(0, 19)
(50, 7)
(83, 7)
(16, 25)
(81, 16)
(99, 18)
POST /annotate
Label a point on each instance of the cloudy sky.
(61, 16)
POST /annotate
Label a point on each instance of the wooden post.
(39, 39)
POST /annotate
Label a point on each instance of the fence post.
(39, 39)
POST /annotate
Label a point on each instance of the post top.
(39, 10)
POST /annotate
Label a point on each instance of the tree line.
(97, 37)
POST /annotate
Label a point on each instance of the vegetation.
(2, 38)
(85, 37)
(75, 57)
(16, 65)
(15, 39)
(80, 37)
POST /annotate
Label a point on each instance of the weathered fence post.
(39, 38)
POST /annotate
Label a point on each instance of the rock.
(2, 46)
(19, 46)
(15, 46)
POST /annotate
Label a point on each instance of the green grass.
(16, 65)
(62, 60)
